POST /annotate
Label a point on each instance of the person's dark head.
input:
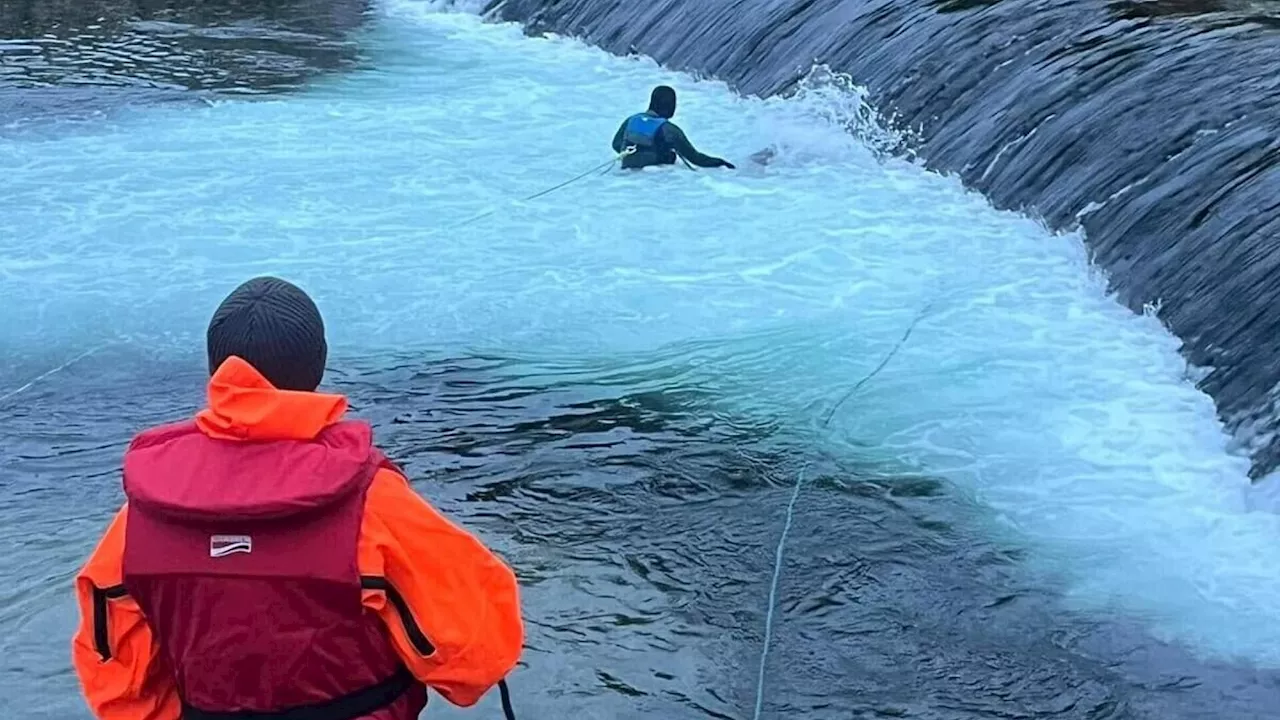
(662, 102)
(275, 327)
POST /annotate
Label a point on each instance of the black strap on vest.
(505, 692)
(352, 705)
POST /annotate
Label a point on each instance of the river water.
(1028, 512)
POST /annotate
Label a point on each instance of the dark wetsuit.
(658, 141)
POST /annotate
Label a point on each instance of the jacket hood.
(244, 405)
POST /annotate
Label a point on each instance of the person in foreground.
(269, 562)
(657, 140)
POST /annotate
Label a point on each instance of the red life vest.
(243, 558)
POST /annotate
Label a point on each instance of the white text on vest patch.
(224, 545)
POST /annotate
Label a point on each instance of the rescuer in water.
(270, 562)
(657, 140)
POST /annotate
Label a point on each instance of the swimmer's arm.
(116, 658)
(676, 138)
(451, 606)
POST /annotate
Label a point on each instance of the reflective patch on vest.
(224, 545)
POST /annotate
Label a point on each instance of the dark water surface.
(642, 522)
(72, 58)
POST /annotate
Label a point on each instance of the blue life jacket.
(642, 131)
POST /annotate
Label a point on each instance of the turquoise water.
(772, 289)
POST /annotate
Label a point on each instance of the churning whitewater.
(726, 313)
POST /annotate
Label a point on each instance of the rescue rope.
(601, 168)
(791, 509)
(773, 588)
(54, 371)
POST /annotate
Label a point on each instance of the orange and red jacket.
(438, 603)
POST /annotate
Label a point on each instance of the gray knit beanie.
(276, 328)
